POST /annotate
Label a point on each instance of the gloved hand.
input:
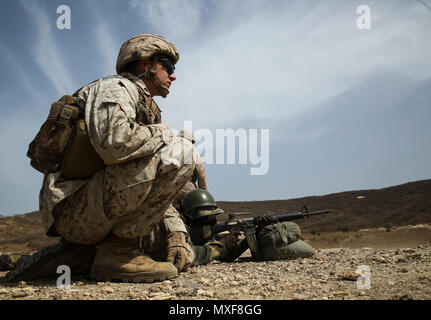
(229, 240)
(177, 249)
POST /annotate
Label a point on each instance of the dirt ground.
(398, 262)
(386, 231)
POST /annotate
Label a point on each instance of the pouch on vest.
(274, 238)
(56, 142)
(80, 159)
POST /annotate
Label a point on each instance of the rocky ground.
(332, 274)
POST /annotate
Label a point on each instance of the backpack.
(62, 143)
(275, 242)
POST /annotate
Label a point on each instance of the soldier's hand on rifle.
(229, 240)
(177, 249)
(268, 219)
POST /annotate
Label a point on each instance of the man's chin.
(164, 91)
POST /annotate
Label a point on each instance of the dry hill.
(406, 204)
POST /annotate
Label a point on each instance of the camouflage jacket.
(111, 107)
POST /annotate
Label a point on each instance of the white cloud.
(106, 42)
(19, 71)
(46, 53)
(107, 46)
(177, 19)
(281, 61)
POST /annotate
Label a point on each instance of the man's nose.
(173, 77)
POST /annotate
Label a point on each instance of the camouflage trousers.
(128, 199)
(154, 243)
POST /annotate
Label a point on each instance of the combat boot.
(43, 264)
(120, 259)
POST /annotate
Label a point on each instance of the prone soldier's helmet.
(147, 46)
(199, 203)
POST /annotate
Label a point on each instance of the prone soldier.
(275, 240)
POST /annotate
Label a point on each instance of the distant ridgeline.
(406, 204)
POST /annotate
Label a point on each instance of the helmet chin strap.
(151, 76)
(163, 90)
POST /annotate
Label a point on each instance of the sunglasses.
(168, 65)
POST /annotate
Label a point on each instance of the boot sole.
(99, 274)
(43, 264)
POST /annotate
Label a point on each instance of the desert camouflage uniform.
(146, 168)
(197, 180)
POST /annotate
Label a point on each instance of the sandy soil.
(362, 265)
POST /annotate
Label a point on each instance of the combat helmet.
(199, 203)
(147, 46)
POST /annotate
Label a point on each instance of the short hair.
(131, 67)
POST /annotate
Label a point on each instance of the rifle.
(200, 233)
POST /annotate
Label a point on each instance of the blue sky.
(346, 108)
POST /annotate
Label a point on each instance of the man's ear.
(143, 65)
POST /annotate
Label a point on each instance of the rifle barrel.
(291, 216)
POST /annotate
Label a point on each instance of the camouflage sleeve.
(173, 221)
(111, 122)
(201, 176)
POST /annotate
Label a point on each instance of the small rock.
(380, 259)
(340, 293)
(362, 293)
(156, 294)
(351, 275)
(323, 281)
(205, 281)
(3, 291)
(400, 259)
(235, 291)
(79, 284)
(22, 284)
(299, 297)
(19, 293)
(205, 293)
(406, 297)
(244, 290)
(165, 298)
(108, 290)
(57, 296)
